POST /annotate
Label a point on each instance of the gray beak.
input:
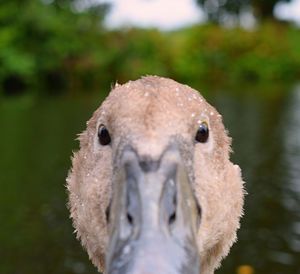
(153, 217)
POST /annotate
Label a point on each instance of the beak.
(153, 217)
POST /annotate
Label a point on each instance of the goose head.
(152, 188)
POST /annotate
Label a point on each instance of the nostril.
(169, 204)
(129, 218)
(199, 211)
(172, 218)
(107, 213)
(132, 212)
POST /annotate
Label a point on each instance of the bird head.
(152, 188)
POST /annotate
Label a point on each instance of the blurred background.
(59, 59)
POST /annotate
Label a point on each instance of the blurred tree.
(39, 39)
(219, 10)
(264, 9)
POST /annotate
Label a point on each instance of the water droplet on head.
(146, 94)
(193, 114)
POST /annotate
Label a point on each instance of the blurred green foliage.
(51, 47)
(47, 44)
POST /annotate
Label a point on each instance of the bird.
(152, 188)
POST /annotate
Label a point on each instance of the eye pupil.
(103, 135)
(202, 133)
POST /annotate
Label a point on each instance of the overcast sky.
(172, 14)
(163, 14)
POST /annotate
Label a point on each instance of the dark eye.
(202, 133)
(103, 135)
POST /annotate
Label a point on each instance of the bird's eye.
(202, 133)
(103, 135)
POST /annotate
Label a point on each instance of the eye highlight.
(202, 133)
(103, 135)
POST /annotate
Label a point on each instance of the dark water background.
(36, 141)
